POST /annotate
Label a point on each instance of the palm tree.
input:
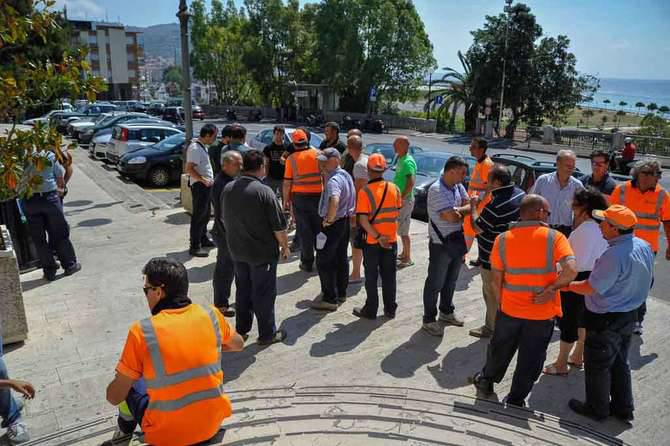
(603, 118)
(457, 89)
(652, 107)
(639, 105)
(622, 104)
(587, 113)
(663, 109)
(619, 115)
(607, 101)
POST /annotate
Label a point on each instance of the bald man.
(526, 284)
(405, 177)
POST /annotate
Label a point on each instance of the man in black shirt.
(216, 148)
(495, 218)
(600, 178)
(332, 134)
(273, 153)
(224, 272)
(256, 236)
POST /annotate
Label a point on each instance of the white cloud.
(82, 8)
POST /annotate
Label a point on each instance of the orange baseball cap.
(377, 162)
(617, 215)
(299, 137)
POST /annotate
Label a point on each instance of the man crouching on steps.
(169, 378)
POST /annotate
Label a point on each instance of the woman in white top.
(588, 245)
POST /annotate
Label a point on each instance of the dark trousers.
(332, 262)
(531, 339)
(224, 273)
(256, 293)
(9, 411)
(49, 230)
(572, 306)
(202, 209)
(640, 312)
(137, 401)
(308, 224)
(443, 272)
(380, 262)
(606, 369)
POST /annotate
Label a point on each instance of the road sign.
(439, 99)
(373, 94)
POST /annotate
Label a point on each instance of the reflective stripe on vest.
(549, 263)
(477, 182)
(655, 216)
(373, 204)
(303, 179)
(163, 379)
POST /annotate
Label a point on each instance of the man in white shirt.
(201, 180)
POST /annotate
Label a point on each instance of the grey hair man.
(651, 204)
(355, 164)
(558, 188)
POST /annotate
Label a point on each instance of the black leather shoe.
(73, 269)
(207, 243)
(585, 410)
(389, 314)
(305, 268)
(198, 252)
(626, 417)
(481, 384)
(50, 275)
(359, 313)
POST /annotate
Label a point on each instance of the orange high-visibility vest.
(369, 199)
(650, 207)
(527, 254)
(183, 377)
(302, 168)
(477, 185)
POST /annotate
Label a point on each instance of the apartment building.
(116, 53)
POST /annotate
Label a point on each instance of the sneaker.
(226, 311)
(322, 305)
(451, 319)
(120, 438)
(73, 269)
(17, 433)
(198, 252)
(638, 328)
(481, 332)
(433, 328)
(515, 403)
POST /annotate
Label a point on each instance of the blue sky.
(611, 38)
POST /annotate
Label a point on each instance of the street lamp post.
(186, 70)
(508, 10)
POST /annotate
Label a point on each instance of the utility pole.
(508, 10)
(186, 70)
(430, 84)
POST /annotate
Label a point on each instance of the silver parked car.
(127, 137)
(97, 148)
(264, 137)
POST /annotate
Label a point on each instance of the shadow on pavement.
(79, 211)
(180, 256)
(93, 222)
(299, 324)
(178, 218)
(459, 364)
(32, 284)
(346, 337)
(406, 359)
(235, 363)
(635, 357)
(200, 274)
(292, 281)
(465, 277)
(77, 203)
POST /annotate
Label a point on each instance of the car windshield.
(433, 165)
(169, 143)
(385, 149)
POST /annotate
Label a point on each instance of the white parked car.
(44, 119)
(128, 137)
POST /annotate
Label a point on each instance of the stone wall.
(12, 313)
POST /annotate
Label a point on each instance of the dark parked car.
(158, 165)
(525, 169)
(174, 114)
(60, 120)
(156, 108)
(429, 167)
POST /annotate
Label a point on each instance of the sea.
(631, 91)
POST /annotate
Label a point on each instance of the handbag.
(454, 242)
(361, 237)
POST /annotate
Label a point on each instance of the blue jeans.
(9, 411)
(443, 272)
(137, 401)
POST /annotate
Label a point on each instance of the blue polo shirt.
(50, 173)
(442, 197)
(339, 184)
(622, 276)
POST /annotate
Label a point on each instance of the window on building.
(131, 58)
(130, 39)
(92, 39)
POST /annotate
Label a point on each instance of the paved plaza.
(337, 379)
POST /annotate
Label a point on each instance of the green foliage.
(654, 125)
(173, 74)
(36, 69)
(217, 55)
(366, 43)
(542, 81)
(652, 107)
(663, 109)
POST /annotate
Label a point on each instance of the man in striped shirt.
(494, 219)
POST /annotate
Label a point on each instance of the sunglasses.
(148, 288)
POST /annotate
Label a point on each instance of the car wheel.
(159, 176)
